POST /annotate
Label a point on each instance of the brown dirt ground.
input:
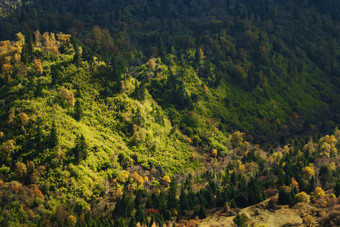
(283, 216)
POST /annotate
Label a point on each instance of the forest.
(152, 113)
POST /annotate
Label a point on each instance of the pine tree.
(119, 222)
(255, 191)
(53, 138)
(198, 53)
(202, 213)
(233, 204)
(285, 198)
(77, 56)
(139, 216)
(172, 200)
(141, 91)
(325, 175)
(183, 201)
(39, 137)
(337, 189)
(78, 111)
(80, 149)
(24, 54)
(124, 206)
(311, 185)
(162, 49)
(132, 222)
(119, 69)
(149, 203)
(39, 89)
(30, 48)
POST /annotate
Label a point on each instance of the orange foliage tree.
(38, 66)
(67, 96)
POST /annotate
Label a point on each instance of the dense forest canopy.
(283, 54)
(118, 112)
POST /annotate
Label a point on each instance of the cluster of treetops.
(305, 171)
(284, 52)
(265, 48)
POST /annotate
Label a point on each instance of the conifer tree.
(197, 57)
(53, 138)
(119, 222)
(139, 215)
(78, 111)
(311, 185)
(285, 197)
(337, 189)
(183, 201)
(39, 137)
(202, 213)
(141, 91)
(27, 51)
(24, 54)
(80, 149)
(77, 56)
(162, 49)
(325, 175)
(149, 203)
(233, 203)
(132, 222)
(124, 206)
(172, 200)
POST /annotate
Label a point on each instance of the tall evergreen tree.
(78, 111)
(80, 150)
(172, 200)
(39, 137)
(202, 213)
(53, 138)
(124, 206)
(77, 56)
(337, 189)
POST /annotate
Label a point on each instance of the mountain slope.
(274, 63)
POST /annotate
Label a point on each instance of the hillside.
(94, 143)
(161, 112)
(274, 64)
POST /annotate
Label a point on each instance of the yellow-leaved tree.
(166, 179)
(302, 197)
(318, 193)
(309, 221)
(237, 138)
(328, 145)
(308, 172)
(21, 169)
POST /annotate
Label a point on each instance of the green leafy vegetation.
(153, 116)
